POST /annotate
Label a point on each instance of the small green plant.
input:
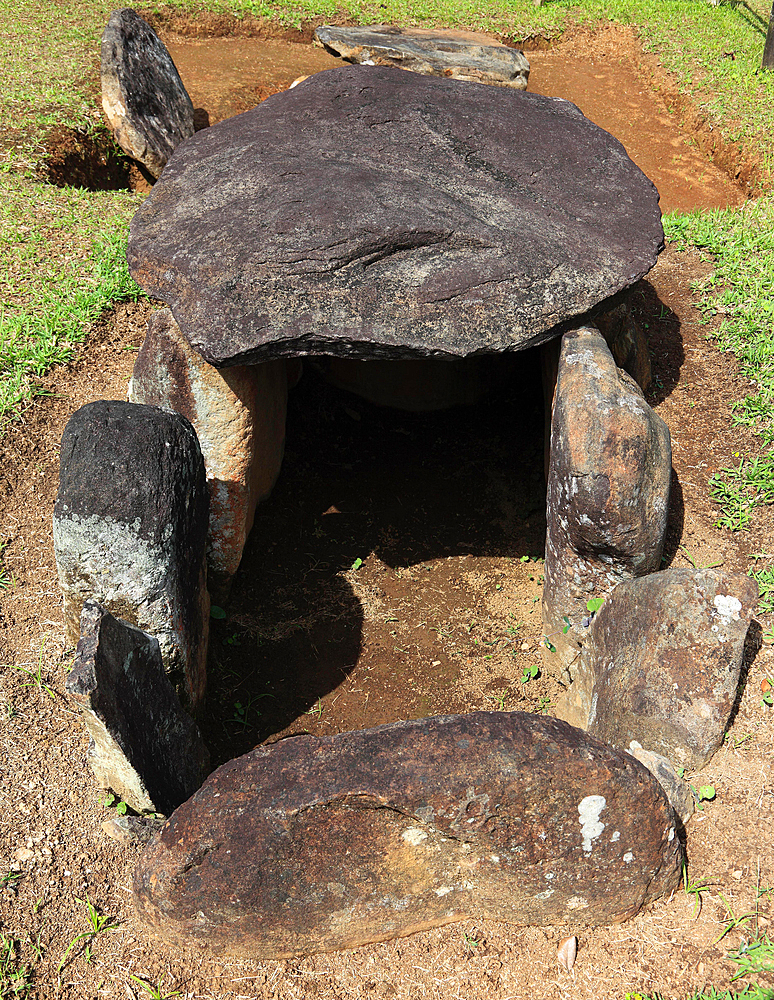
(316, 709)
(530, 673)
(15, 979)
(10, 880)
(242, 712)
(594, 604)
(37, 675)
(356, 564)
(544, 704)
(694, 889)
(733, 920)
(6, 579)
(112, 800)
(767, 692)
(693, 562)
(217, 612)
(155, 992)
(754, 958)
(99, 925)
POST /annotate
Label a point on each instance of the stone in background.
(130, 529)
(143, 97)
(456, 54)
(316, 844)
(239, 416)
(666, 653)
(607, 501)
(144, 747)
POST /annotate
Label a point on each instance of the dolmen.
(457, 54)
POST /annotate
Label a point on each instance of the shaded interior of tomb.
(416, 502)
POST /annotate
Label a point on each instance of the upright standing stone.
(456, 54)
(143, 97)
(316, 844)
(667, 652)
(607, 502)
(239, 416)
(130, 529)
(143, 745)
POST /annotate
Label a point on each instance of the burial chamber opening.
(394, 572)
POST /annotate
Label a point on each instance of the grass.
(15, 978)
(99, 924)
(740, 243)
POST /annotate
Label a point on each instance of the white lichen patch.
(577, 903)
(589, 810)
(616, 836)
(628, 857)
(444, 890)
(728, 607)
(414, 836)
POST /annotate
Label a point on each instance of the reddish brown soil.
(443, 516)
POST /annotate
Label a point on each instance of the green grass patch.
(62, 263)
(738, 292)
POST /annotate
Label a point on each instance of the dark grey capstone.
(317, 844)
(130, 527)
(143, 97)
(373, 213)
(143, 745)
(667, 652)
(435, 53)
(607, 500)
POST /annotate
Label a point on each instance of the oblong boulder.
(318, 844)
(374, 213)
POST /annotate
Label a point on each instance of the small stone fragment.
(130, 529)
(456, 54)
(566, 953)
(607, 502)
(143, 97)
(143, 745)
(129, 831)
(317, 844)
(666, 653)
(238, 414)
(663, 770)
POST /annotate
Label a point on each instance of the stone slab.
(144, 747)
(143, 97)
(434, 53)
(130, 530)
(318, 844)
(666, 654)
(378, 214)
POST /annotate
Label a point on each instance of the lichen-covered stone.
(456, 54)
(317, 844)
(607, 501)
(666, 654)
(377, 214)
(143, 97)
(130, 529)
(143, 747)
(239, 417)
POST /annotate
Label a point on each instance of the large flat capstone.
(374, 213)
(317, 844)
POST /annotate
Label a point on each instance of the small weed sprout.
(530, 673)
(99, 925)
(15, 979)
(694, 889)
(154, 992)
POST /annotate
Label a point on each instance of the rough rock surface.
(130, 529)
(667, 652)
(143, 745)
(239, 417)
(607, 500)
(143, 97)
(452, 54)
(317, 844)
(628, 343)
(677, 789)
(375, 213)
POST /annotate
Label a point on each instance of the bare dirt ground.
(444, 517)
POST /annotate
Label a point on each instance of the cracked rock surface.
(374, 213)
(318, 844)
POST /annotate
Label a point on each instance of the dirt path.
(445, 515)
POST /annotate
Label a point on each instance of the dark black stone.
(374, 213)
(144, 746)
(143, 96)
